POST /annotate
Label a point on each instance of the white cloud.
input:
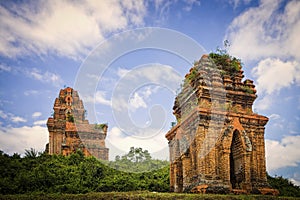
(136, 102)
(236, 3)
(122, 72)
(267, 86)
(266, 31)
(296, 182)
(5, 68)
(17, 119)
(66, 28)
(36, 114)
(138, 99)
(190, 4)
(16, 140)
(40, 122)
(274, 116)
(120, 141)
(11, 117)
(30, 92)
(3, 115)
(93, 76)
(262, 104)
(296, 179)
(269, 68)
(47, 77)
(34, 73)
(98, 98)
(131, 80)
(284, 153)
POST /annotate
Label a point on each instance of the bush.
(285, 186)
(74, 174)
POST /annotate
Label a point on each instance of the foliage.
(70, 118)
(192, 75)
(74, 174)
(31, 153)
(285, 186)
(100, 126)
(137, 160)
(138, 195)
(247, 90)
(228, 64)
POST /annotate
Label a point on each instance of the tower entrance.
(237, 168)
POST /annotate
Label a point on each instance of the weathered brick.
(218, 143)
(69, 131)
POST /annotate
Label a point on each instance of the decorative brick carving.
(69, 131)
(217, 145)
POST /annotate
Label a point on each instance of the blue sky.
(46, 45)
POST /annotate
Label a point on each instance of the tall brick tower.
(217, 145)
(69, 131)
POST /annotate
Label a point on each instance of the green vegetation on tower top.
(100, 126)
(229, 65)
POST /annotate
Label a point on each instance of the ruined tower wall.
(69, 131)
(218, 143)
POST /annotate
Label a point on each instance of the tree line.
(43, 173)
(76, 174)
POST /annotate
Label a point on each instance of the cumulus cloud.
(268, 34)
(47, 77)
(119, 141)
(139, 99)
(267, 86)
(11, 117)
(284, 153)
(33, 73)
(66, 28)
(269, 68)
(136, 102)
(36, 114)
(266, 31)
(98, 98)
(3, 115)
(130, 80)
(40, 122)
(296, 179)
(16, 140)
(17, 119)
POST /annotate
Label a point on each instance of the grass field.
(139, 196)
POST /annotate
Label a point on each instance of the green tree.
(43, 173)
(284, 186)
(137, 160)
(31, 153)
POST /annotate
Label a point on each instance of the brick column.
(226, 166)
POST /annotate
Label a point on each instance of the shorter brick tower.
(69, 131)
(218, 143)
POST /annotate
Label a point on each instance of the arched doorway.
(237, 168)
